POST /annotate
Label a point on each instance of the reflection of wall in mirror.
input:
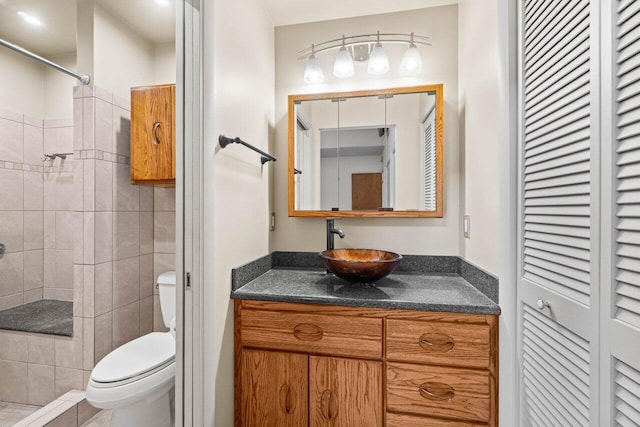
(403, 111)
(361, 151)
(306, 161)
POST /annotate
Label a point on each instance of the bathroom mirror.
(374, 153)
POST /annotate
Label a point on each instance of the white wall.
(21, 84)
(58, 88)
(239, 85)
(122, 58)
(164, 63)
(29, 87)
(478, 79)
(409, 236)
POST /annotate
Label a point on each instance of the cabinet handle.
(436, 342)
(308, 332)
(287, 399)
(436, 391)
(329, 405)
(156, 128)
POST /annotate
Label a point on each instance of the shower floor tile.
(11, 413)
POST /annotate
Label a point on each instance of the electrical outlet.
(467, 226)
(273, 221)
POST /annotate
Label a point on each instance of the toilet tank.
(167, 290)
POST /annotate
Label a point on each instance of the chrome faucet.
(330, 233)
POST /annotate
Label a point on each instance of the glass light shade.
(343, 67)
(313, 71)
(378, 61)
(411, 61)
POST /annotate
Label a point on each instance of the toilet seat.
(135, 360)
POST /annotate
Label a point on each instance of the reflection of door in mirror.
(428, 157)
(366, 191)
(303, 165)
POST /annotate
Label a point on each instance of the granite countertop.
(445, 291)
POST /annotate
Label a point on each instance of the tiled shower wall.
(164, 244)
(61, 206)
(113, 266)
(21, 189)
(36, 200)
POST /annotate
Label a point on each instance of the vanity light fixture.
(343, 67)
(360, 48)
(411, 59)
(313, 71)
(378, 59)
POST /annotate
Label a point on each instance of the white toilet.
(136, 380)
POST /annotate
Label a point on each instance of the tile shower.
(76, 230)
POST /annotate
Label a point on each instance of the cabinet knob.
(156, 136)
(287, 399)
(436, 391)
(329, 405)
(308, 332)
(436, 342)
(543, 304)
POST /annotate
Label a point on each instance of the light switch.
(467, 226)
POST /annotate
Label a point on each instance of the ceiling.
(155, 23)
(288, 12)
(57, 34)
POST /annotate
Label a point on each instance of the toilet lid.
(136, 357)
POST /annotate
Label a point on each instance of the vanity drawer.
(436, 391)
(347, 336)
(406, 420)
(454, 344)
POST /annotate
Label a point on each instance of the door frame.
(509, 375)
(189, 393)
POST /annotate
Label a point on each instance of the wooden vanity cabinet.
(153, 142)
(276, 388)
(331, 366)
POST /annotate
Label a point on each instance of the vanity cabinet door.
(274, 389)
(345, 392)
(153, 147)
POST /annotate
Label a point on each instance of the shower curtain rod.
(84, 78)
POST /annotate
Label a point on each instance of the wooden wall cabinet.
(330, 366)
(153, 142)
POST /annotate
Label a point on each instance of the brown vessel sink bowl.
(360, 265)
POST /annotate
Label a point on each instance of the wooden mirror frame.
(437, 213)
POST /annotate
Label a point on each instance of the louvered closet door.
(623, 312)
(558, 245)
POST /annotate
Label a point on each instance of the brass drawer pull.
(156, 137)
(436, 391)
(436, 342)
(287, 399)
(329, 405)
(308, 332)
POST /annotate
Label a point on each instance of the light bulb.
(343, 67)
(313, 70)
(378, 61)
(411, 60)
